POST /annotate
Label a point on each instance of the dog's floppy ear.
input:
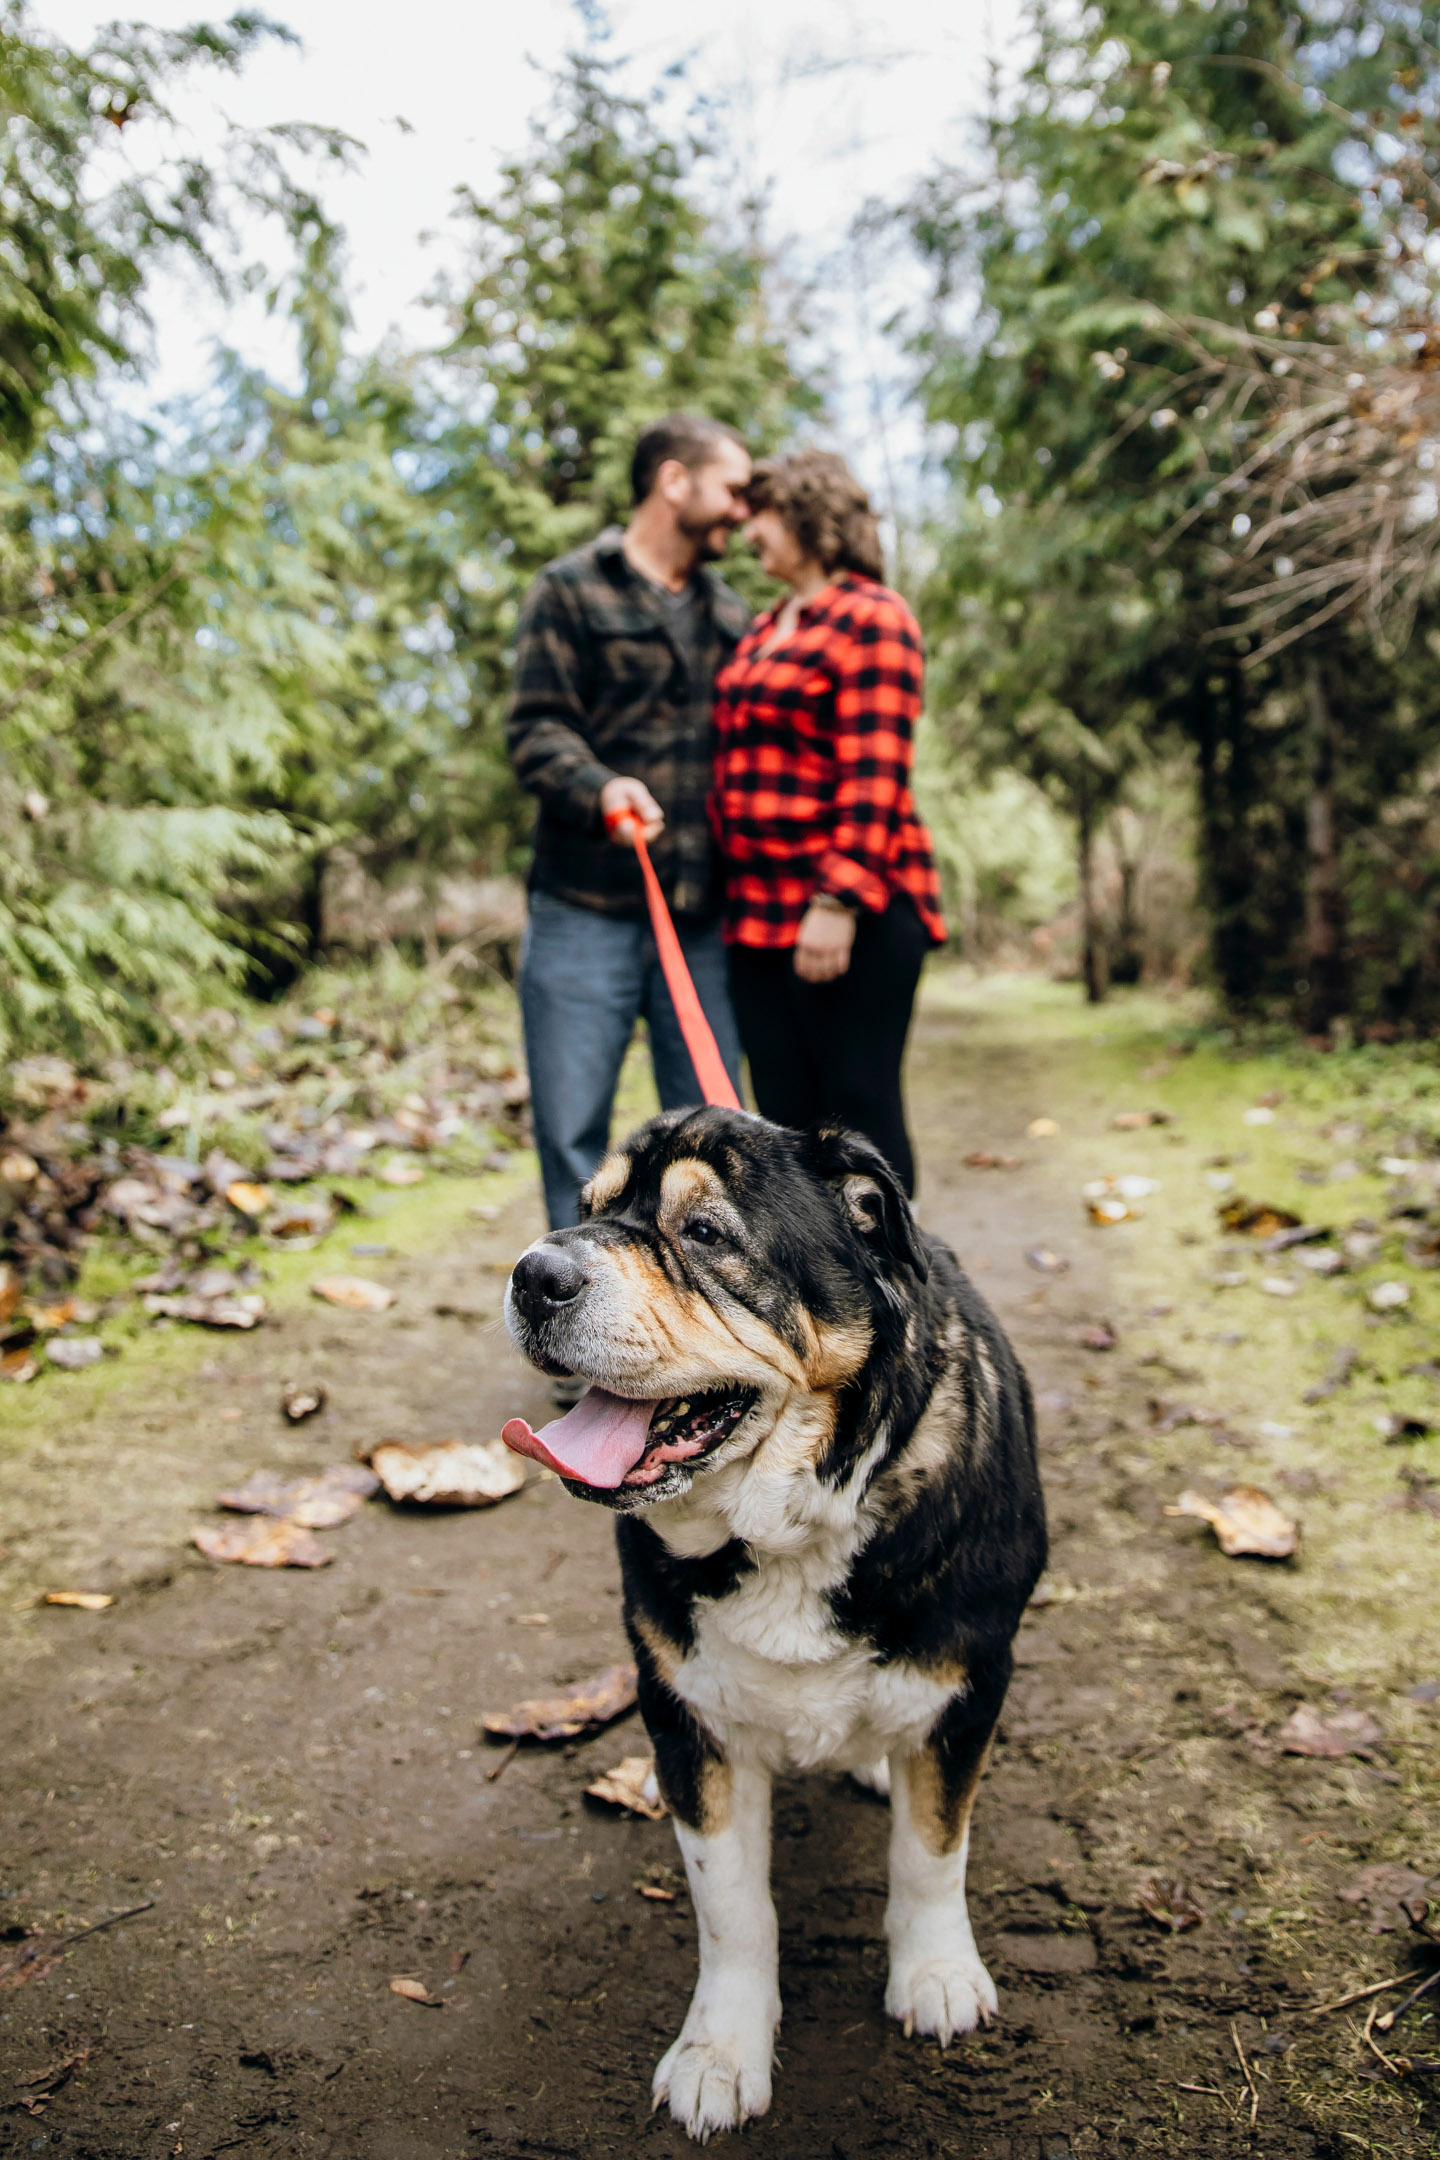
(870, 1194)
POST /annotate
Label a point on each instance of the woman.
(831, 899)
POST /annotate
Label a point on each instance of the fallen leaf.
(35, 1958)
(55, 2074)
(980, 1159)
(10, 1287)
(247, 1198)
(83, 1600)
(246, 1310)
(356, 1292)
(55, 1316)
(316, 1503)
(1423, 1913)
(1106, 1213)
(400, 1172)
(1170, 1904)
(18, 1366)
(299, 1400)
(1041, 1128)
(75, 1353)
(1100, 1337)
(1046, 1262)
(1246, 1522)
(446, 1473)
(261, 1543)
(656, 1895)
(631, 1785)
(1135, 1120)
(1342, 1370)
(1256, 1218)
(600, 1700)
(1383, 1886)
(1343, 1732)
(1389, 1296)
(415, 1991)
(1129, 1188)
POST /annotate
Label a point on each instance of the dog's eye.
(701, 1231)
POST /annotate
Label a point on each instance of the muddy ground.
(289, 1765)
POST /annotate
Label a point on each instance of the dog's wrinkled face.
(724, 1267)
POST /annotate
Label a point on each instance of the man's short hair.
(693, 438)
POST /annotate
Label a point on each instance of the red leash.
(696, 1029)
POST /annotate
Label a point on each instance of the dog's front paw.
(941, 1996)
(717, 2075)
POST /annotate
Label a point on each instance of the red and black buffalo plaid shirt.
(812, 768)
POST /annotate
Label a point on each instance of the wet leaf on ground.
(415, 1991)
(355, 1292)
(1170, 1904)
(1100, 1336)
(597, 1701)
(1340, 1374)
(261, 1542)
(446, 1473)
(1046, 1262)
(1332, 1736)
(1169, 1417)
(75, 1353)
(82, 1600)
(1423, 1912)
(317, 1503)
(300, 1399)
(1381, 1887)
(631, 1785)
(247, 1198)
(1246, 1522)
(398, 1172)
(1256, 1218)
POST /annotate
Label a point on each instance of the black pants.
(833, 1050)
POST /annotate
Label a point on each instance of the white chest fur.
(776, 1681)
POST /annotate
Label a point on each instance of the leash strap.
(696, 1029)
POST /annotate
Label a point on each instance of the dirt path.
(288, 1765)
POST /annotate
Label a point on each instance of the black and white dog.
(821, 1450)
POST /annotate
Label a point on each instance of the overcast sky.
(824, 105)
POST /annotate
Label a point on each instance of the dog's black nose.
(548, 1276)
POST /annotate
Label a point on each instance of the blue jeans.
(585, 979)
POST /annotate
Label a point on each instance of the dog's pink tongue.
(595, 1443)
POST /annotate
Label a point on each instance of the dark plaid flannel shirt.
(812, 768)
(602, 691)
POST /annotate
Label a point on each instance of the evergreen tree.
(1161, 177)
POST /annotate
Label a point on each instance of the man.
(618, 649)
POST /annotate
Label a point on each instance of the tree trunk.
(1128, 963)
(1092, 947)
(1324, 900)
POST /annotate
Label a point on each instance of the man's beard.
(709, 540)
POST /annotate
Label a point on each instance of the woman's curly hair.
(823, 504)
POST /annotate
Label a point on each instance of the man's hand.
(822, 949)
(619, 797)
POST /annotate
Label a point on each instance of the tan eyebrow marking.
(684, 1183)
(609, 1180)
